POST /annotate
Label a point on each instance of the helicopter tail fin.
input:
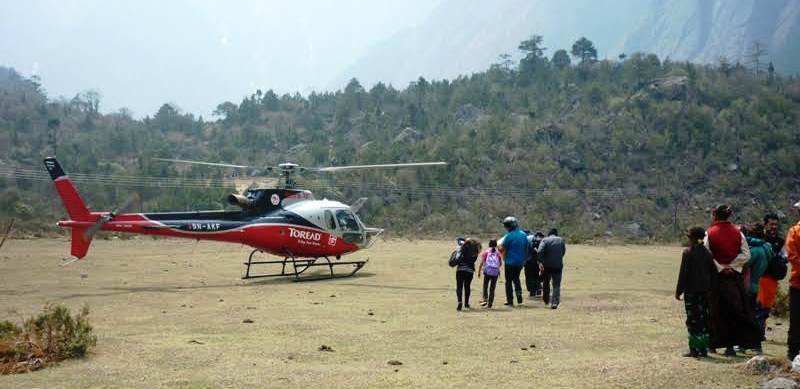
(80, 243)
(74, 204)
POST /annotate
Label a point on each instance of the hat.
(797, 204)
(510, 222)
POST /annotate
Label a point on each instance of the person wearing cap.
(792, 248)
(551, 264)
(514, 246)
(732, 318)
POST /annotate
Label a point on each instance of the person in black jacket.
(465, 269)
(694, 283)
(532, 280)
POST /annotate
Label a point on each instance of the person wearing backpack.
(490, 265)
(760, 256)
(776, 270)
(465, 268)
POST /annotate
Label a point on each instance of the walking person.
(514, 246)
(533, 280)
(490, 265)
(732, 319)
(465, 268)
(551, 263)
(792, 248)
(776, 271)
(694, 283)
(755, 268)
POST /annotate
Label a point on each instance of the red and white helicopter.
(285, 221)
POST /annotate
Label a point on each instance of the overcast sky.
(196, 54)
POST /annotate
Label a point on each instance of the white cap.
(797, 204)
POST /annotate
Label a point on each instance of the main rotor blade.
(202, 163)
(389, 165)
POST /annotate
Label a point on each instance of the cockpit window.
(347, 221)
(330, 222)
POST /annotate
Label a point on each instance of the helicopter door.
(330, 221)
(350, 227)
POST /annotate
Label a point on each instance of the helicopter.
(286, 221)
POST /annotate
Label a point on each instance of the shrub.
(51, 336)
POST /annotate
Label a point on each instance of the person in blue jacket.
(514, 246)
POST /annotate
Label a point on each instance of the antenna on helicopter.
(288, 170)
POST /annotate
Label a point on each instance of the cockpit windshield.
(347, 221)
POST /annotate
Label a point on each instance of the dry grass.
(171, 314)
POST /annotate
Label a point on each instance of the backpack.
(453, 261)
(492, 266)
(778, 267)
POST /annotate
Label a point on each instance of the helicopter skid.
(295, 267)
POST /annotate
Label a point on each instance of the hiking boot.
(458, 308)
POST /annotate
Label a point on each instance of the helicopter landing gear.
(298, 266)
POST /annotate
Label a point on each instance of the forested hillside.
(631, 149)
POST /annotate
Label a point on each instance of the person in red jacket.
(732, 318)
(792, 248)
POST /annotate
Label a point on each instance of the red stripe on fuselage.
(277, 239)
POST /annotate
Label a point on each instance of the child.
(490, 267)
(694, 283)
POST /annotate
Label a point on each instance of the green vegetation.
(629, 149)
(54, 335)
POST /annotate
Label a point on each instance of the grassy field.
(170, 313)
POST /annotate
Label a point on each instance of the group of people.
(729, 278)
(541, 258)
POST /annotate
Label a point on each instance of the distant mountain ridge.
(465, 36)
(705, 30)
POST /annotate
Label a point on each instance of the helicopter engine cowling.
(241, 201)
